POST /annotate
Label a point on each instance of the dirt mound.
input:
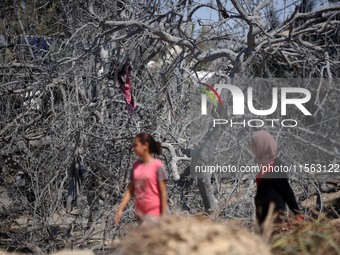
(174, 235)
(63, 252)
(312, 236)
(336, 224)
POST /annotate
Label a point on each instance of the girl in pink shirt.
(148, 178)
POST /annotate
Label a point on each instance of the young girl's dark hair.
(154, 147)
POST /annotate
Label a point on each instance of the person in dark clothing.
(272, 182)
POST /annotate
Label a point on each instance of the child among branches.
(272, 186)
(148, 178)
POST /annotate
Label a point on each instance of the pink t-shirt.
(145, 178)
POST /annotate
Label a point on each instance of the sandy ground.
(63, 218)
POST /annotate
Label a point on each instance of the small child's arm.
(126, 199)
(163, 197)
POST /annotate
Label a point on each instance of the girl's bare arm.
(163, 197)
(126, 199)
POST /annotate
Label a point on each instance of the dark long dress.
(274, 187)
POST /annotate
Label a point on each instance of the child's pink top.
(145, 178)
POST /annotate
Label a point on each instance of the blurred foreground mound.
(62, 252)
(314, 236)
(177, 236)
